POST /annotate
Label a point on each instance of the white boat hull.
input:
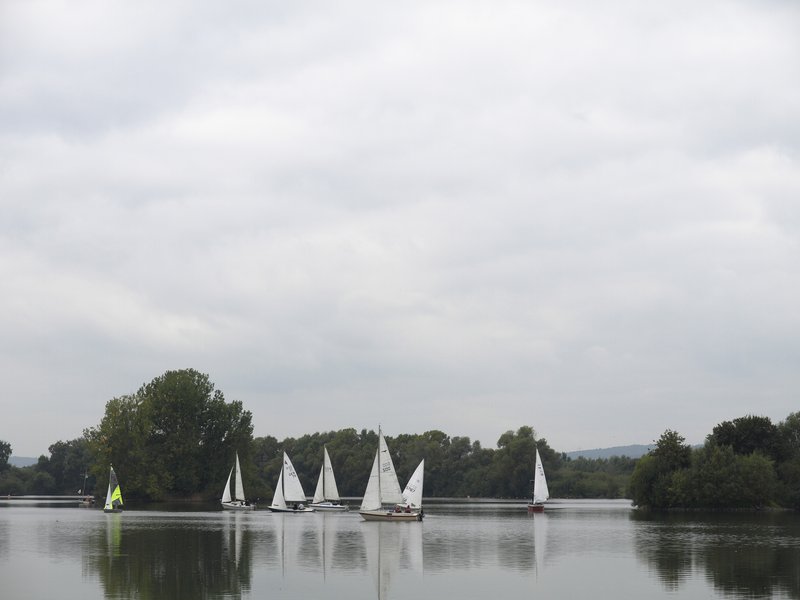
(389, 515)
(288, 509)
(237, 505)
(329, 506)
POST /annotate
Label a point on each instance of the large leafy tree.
(175, 437)
(749, 434)
(658, 479)
(512, 463)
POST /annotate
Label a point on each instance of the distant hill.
(632, 451)
(22, 461)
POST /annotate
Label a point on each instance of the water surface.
(483, 550)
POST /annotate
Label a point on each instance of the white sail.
(239, 491)
(319, 491)
(226, 495)
(382, 487)
(292, 488)
(540, 491)
(233, 497)
(326, 484)
(108, 496)
(412, 494)
(372, 495)
(389, 486)
(330, 491)
(278, 501)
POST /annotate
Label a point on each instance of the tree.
(512, 464)
(121, 440)
(789, 432)
(721, 478)
(659, 477)
(175, 437)
(671, 451)
(749, 434)
(67, 465)
(5, 454)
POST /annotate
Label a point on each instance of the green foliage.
(789, 434)
(174, 438)
(454, 467)
(42, 484)
(13, 482)
(658, 481)
(734, 470)
(749, 434)
(68, 464)
(723, 479)
(789, 483)
(5, 454)
(671, 451)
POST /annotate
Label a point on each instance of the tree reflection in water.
(163, 561)
(740, 554)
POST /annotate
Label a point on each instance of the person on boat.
(408, 508)
(397, 508)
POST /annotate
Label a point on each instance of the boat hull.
(388, 515)
(535, 508)
(238, 506)
(112, 510)
(277, 509)
(328, 506)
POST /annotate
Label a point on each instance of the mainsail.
(114, 494)
(540, 491)
(326, 484)
(382, 487)
(238, 492)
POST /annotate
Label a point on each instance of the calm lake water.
(589, 549)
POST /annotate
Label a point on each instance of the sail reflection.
(338, 544)
(392, 548)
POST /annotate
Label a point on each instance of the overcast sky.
(460, 215)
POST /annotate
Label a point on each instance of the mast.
(380, 495)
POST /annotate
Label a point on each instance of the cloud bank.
(466, 216)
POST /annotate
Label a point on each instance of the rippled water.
(462, 550)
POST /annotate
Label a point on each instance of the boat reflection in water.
(392, 550)
(462, 550)
(340, 553)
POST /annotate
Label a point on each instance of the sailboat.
(326, 496)
(236, 501)
(383, 488)
(289, 490)
(540, 491)
(412, 494)
(114, 494)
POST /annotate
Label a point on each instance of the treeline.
(747, 463)
(175, 438)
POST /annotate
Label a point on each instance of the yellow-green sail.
(114, 495)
